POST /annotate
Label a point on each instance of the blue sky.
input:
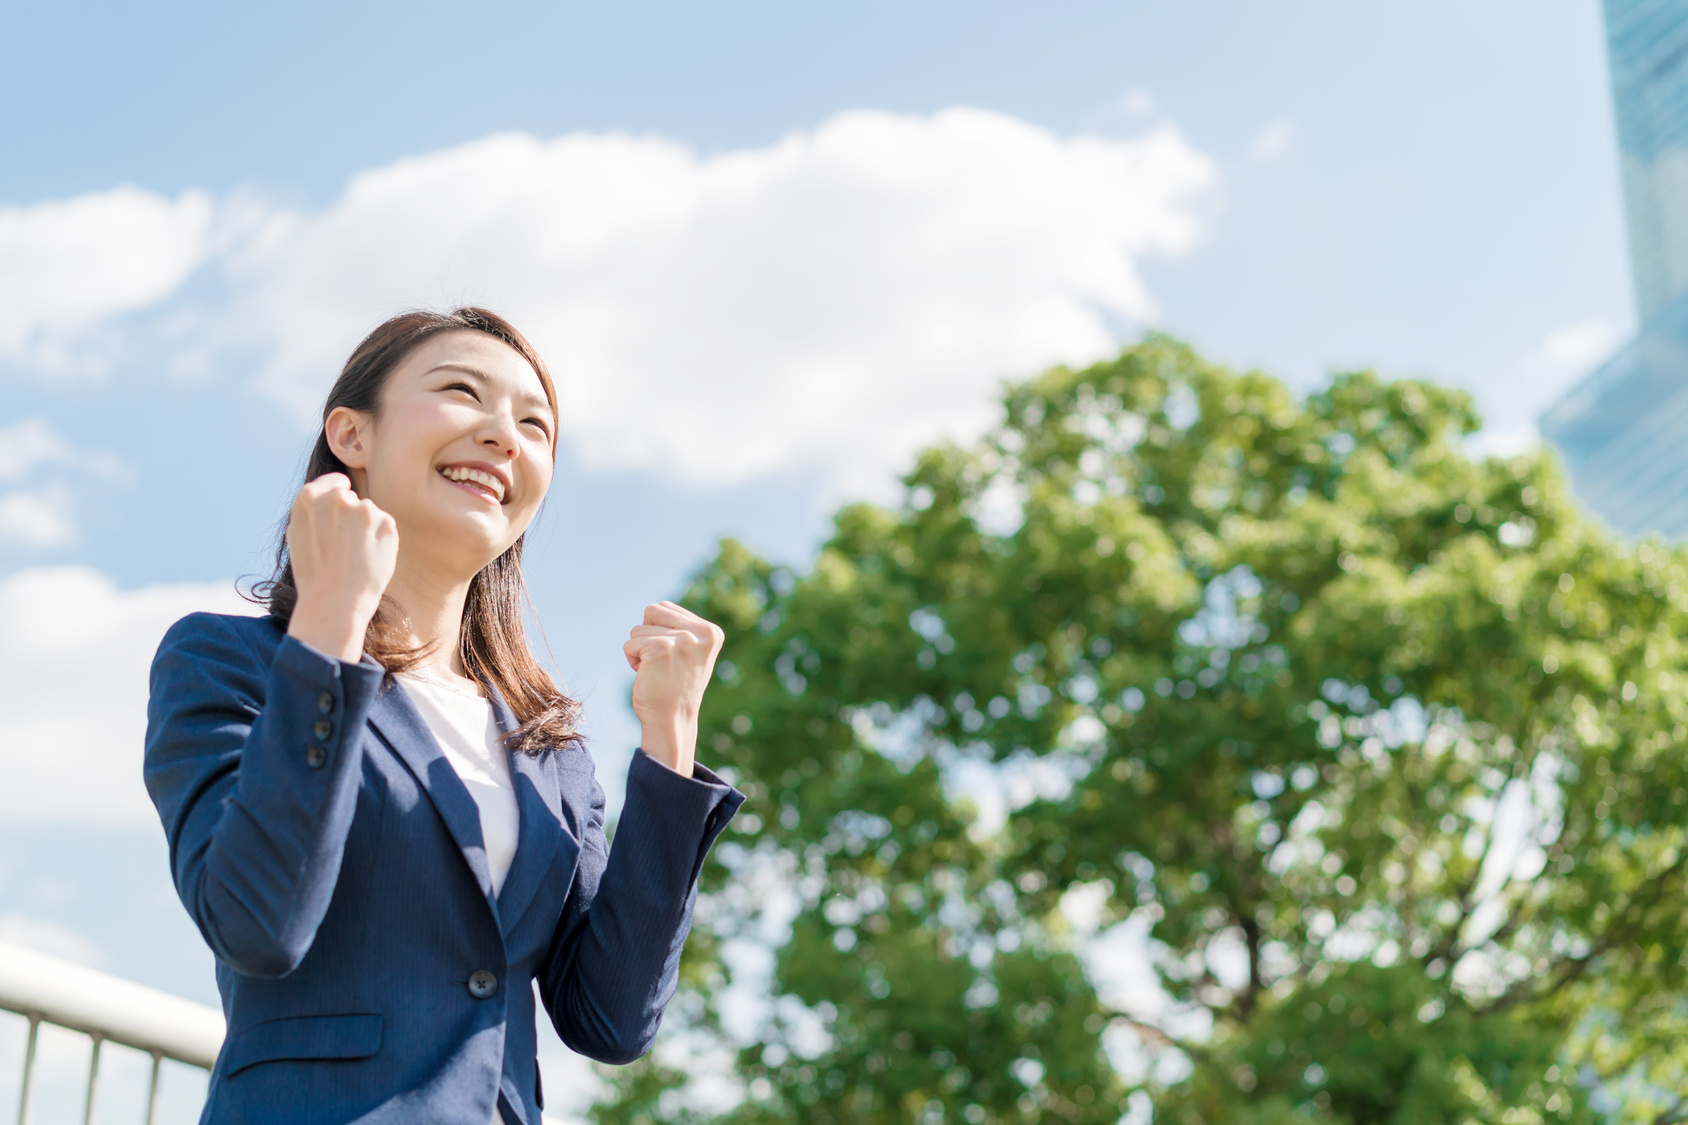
(771, 249)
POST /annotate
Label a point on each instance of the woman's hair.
(492, 642)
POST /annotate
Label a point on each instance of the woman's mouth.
(476, 480)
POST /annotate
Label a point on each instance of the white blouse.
(463, 724)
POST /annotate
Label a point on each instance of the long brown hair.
(492, 642)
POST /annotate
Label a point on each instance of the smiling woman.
(379, 811)
(422, 383)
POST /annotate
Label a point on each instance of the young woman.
(379, 812)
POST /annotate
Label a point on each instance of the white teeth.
(455, 472)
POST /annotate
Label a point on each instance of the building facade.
(1647, 45)
(1623, 432)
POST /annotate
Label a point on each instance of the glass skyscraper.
(1624, 431)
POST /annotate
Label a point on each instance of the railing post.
(93, 1080)
(45, 989)
(152, 1091)
(28, 1068)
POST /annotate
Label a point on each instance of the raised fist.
(343, 549)
(672, 655)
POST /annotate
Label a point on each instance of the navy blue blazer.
(334, 863)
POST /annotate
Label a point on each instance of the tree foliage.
(1371, 749)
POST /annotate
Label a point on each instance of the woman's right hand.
(343, 550)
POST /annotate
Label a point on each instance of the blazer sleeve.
(614, 960)
(254, 766)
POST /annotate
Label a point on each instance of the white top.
(462, 723)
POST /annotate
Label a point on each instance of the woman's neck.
(431, 608)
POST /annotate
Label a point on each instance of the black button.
(323, 728)
(315, 756)
(482, 984)
(325, 702)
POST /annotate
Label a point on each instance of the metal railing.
(107, 1009)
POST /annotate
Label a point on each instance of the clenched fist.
(672, 655)
(343, 551)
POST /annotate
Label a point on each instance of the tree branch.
(1251, 994)
(1449, 948)
(1630, 918)
(1162, 1036)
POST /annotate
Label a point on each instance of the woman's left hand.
(672, 655)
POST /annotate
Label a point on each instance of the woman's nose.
(502, 435)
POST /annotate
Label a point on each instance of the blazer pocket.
(306, 1037)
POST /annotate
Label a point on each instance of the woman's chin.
(470, 539)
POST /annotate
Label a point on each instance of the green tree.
(1377, 746)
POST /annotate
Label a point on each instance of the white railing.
(105, 1008)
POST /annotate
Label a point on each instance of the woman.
(379, 812)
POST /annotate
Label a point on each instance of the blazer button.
(325, 702)
(482, 984)
(323, 728)
(315, 756)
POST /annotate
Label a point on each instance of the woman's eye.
(464, 387)
(538, 425)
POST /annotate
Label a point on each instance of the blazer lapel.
(539, 804)
(403, 729)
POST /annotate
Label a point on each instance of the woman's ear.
(347, 433)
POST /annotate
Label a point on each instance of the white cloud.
(74, 655)
(1273, 139)
(837, 298)
(1137, 103)
(1574, 350)
(831, 301)
(1510, 406)
(29, 445)
(50, 937)
(42, 513)
(68, 265)
(41, 517)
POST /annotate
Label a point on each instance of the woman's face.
(460, 452)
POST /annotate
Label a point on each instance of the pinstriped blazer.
(334, 863)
